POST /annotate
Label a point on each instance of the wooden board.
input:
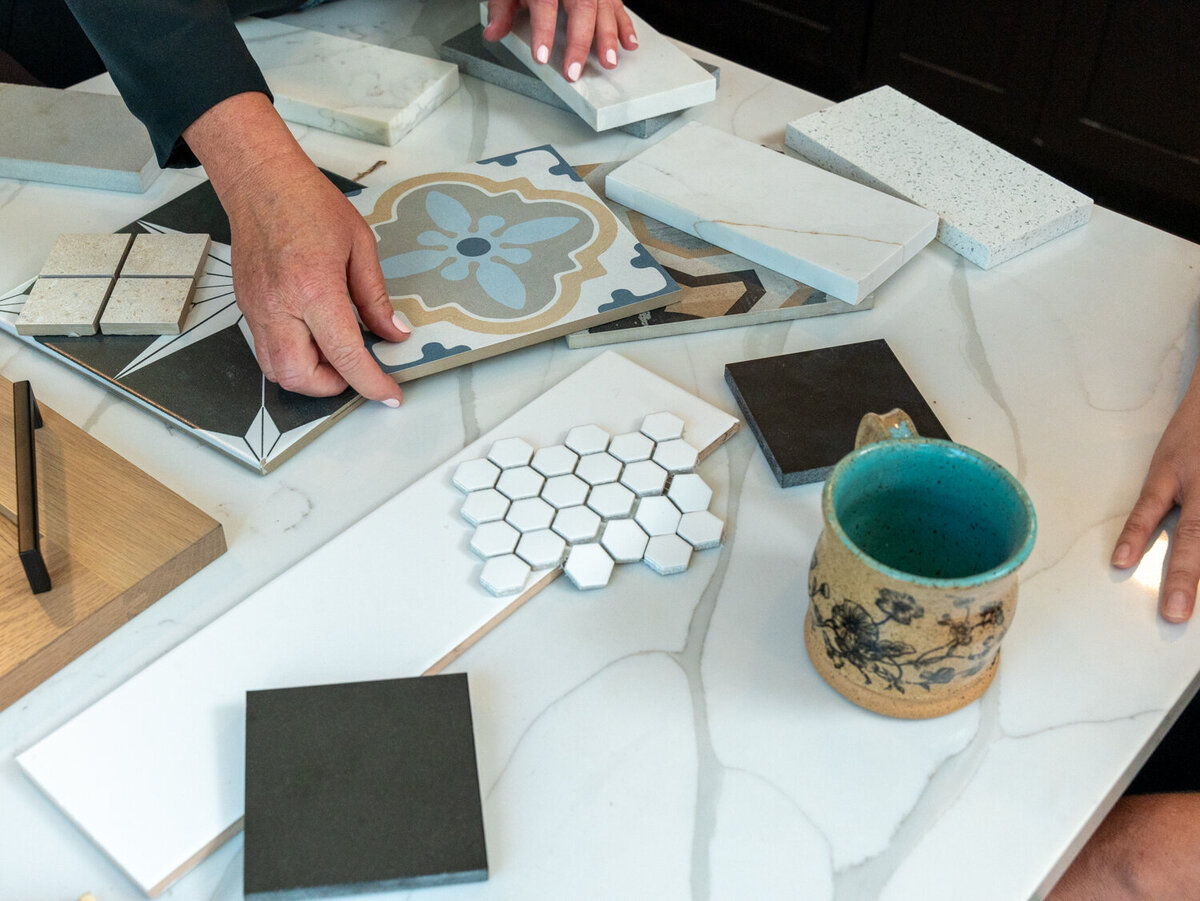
(115, 541)
(396, 594)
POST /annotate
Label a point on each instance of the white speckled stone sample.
(147, 306)
(347, 87)
(992, 205)
(656, 78)
(838, 236)
(168, 255)
(86, 256)
(73, 138)
(64, 306)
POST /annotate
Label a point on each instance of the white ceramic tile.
(657, 515)
(702, 530)
(520, 482)
(656, 78)
(530, 514)
(508, 453)
(662, 426)
(576, 524)
(485, 505)
(564, 491)
(344, 86)
(167, 255)
(494, 538)
(597, 469)
(475, 475)
(556, 460)
(992, 205)
(631, 447)
(624, 540)
(73, 138)
(667, 554)
(588, 566)
(147, 306)
(689, 492)
(675, 455)
(170, 740)
(587, 439)
(541, 549)
(64, 306)
(611, 501)
(504, 575)
(85, 255)
(644, 478)
(838, 236)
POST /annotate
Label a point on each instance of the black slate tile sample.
(804, 408)
(363, 786)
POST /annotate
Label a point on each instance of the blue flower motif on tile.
(488, 243)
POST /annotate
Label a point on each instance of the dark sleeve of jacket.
(172, 60)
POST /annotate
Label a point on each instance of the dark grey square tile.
(361, 787)
(804, 408)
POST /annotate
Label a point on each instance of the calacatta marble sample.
(992, 205)
(170, 741)
(347, 87)
(654, 79)
(73, 138)
(818, 228)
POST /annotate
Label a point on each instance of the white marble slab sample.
(654, 79)
(838, 236)
(169, 742)
(345, 86)
(992, 204)
(73, 138)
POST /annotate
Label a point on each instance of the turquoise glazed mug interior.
(913, 581)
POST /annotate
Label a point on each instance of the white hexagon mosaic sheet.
(587, 504)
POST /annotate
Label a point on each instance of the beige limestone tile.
(63, 306)
(147, 306)
(86, 256)
(166, 256)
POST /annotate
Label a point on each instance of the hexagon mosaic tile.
(587, 504)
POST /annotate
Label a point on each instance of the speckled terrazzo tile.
(993, 206)
(844, 238)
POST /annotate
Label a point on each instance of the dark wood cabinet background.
(1104, 94)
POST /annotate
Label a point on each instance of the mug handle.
(884, 426)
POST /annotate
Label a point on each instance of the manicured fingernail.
(611, 57)
(1121, 555)
(542, 53)
(573, 71)
(401, 324)
(392, 402)
(633, 39)
(1176, 605)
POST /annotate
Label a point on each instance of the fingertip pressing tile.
(631, 447)
(701, 529)
(520, 482)
(166, 255)
(564, 491)
(542, 549)
(485, 505)
(598, 468)
(662, 426)
(588, 566)
(530, 514)
(587, 439)
(86, 256)
(689, 492)
(576, 524)
(667, 554)
(611, 501)
(63, 306)
(494, 538)
(147, 306)
(504, 574)
(508, 453)
(657, 515)
(624, 540)
(676, 456)
(475, 475)
(556, 460)
(644, 478)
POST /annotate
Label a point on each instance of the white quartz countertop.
(693, 752)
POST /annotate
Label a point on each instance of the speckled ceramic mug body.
(913, 581)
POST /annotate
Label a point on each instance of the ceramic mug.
(913, 581)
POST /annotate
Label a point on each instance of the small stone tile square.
(147, 306)
(63, 306)
(86, 256)
(169, 255)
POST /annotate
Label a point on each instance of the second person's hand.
(603, 24)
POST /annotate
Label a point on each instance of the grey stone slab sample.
(73, 138)
(804, 408)
(364, 786)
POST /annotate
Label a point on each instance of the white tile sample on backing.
(73, 138)
(992, 205)
(344, 86)
(654, 79)
(840, 237)
(169, 742)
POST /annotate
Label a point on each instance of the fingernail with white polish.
(542, 54)
(391, 402)
(633, 39)
(401, 324)
(573, 71)
(611, 57)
